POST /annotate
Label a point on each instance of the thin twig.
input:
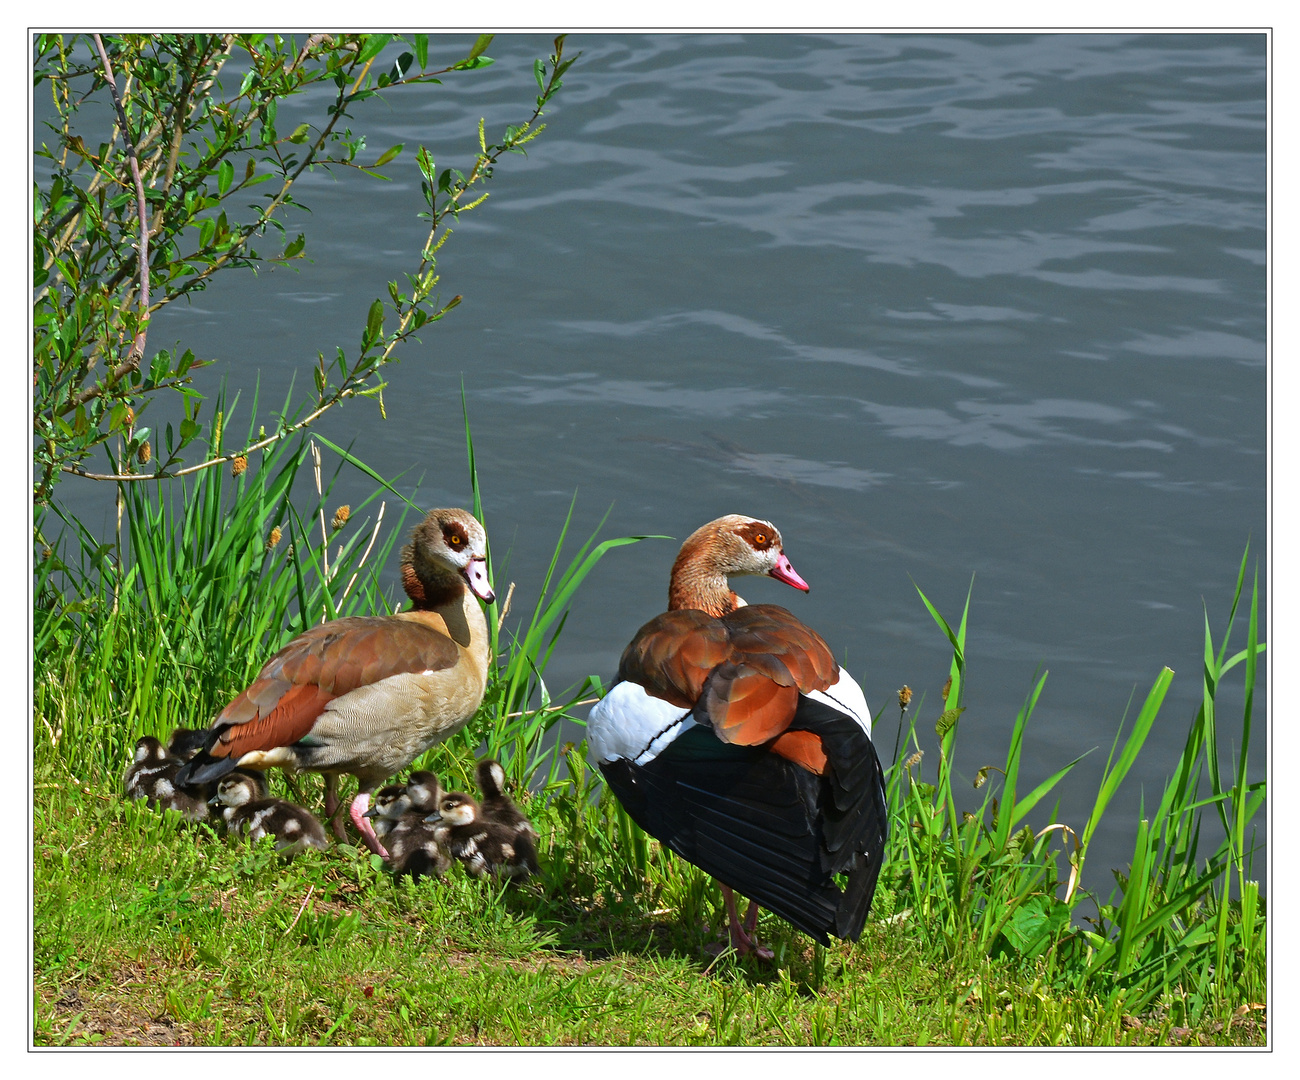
(132, 360)
(365, 554)
(260, 445)
(310, 889)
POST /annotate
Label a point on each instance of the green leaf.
(189, 428)
(539, 73)
(484, 40)
(422, 50)
(224, 176)
(389, 154)
(300, 133)
(375, 320)
(373, 45)
(425, 162)
(401, 66)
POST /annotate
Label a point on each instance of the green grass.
(151, 931)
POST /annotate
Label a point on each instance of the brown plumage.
(152, 776)
(747, 668)
(367, 695)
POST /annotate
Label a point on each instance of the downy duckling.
(399, 814)
(292, 827)
(484, 848)
(496, 806)
(423, 790)
(186, 742)
(152, 776)
(390, 804)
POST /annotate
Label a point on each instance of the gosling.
(292, 827)
(484, 848)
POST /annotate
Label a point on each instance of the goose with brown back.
(366, 695)
(732, 736)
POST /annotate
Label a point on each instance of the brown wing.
(674, 653)
(282, 703)
(747, 668)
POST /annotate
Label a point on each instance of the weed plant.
(151, 931)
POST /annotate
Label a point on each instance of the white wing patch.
(628, 723)
(846, 695)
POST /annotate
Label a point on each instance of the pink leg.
(741, 940)
(359, 806)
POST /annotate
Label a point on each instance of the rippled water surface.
(936, 306)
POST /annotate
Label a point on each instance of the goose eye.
(456, 541)
(760, 539)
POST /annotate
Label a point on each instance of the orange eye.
(456, 541)
(760, 538)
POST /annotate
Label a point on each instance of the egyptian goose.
(399, 814)
(497, 807)
(484, 848)
(367, 695)
(292, 827)
(732, 736)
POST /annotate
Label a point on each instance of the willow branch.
(132, 360)
(260, 445)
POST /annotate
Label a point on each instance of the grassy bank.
(151, 931)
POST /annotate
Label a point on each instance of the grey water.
(942, 308)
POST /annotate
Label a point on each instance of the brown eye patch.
(455, 537)
(758, 535)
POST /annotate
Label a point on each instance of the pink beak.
(477, 576)
(783, 571)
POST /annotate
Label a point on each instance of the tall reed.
(1184, 929)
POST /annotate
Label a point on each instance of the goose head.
(448, 550)
(235, 790)
(491, 779)
(727, 547)
(423, 791)
(455, 808)
(390, 802)
(147, 748)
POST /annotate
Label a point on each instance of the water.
(939, 307)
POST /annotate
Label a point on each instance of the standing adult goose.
(367, 695)
(732, 736)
